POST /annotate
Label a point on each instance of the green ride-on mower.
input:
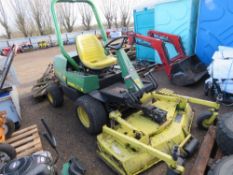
(97, 81)
(146, 126)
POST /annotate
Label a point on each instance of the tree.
(125, 7)
(67, 16)
(37, 8)
(115, 18)
(41, 16)
(107, 9)
(4, 20)
(86, 15)
(110, 11)
(23, 19)
(48, 18)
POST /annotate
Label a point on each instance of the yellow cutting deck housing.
(136, 143)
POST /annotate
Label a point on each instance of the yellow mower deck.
(136, 143)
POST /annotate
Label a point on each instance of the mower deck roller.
(135, 143)
(181, 70)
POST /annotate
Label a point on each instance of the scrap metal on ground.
(39, 88)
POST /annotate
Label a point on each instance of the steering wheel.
(116, 47)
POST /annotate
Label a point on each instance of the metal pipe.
(58, 31)
(157, 153)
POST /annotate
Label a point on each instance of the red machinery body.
(181, 70)
(20, 49)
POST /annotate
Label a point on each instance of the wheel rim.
(50, 98)
(83, 116)
(4, 157)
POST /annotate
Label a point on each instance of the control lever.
(75, 167)
(51, 139)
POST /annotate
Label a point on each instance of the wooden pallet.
(26, 141)
(208, 153)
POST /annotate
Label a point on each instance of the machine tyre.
(172, 172)
(202, 118)
(191, 147)
(222, 167)
(7, 152)
(9, 127)
(91, 113)
(224, 136)
(55, 95)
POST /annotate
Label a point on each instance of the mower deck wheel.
(191, 147)
(224, 136)
(91, 113)
(222, 167)
(9, 128)
(202, 120)
(171, 171)
(55, 95)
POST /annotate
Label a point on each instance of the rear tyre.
(91, 113)
(7, 153)
(202, 118)
(224, 136)
(55, 95)
(9, 128)
(222, 167)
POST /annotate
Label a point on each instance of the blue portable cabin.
(177, 17)
(215, 27)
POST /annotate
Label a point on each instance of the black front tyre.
(55, 95)
(7, 153)
(224, 136)
(91, 113)
(222, 167)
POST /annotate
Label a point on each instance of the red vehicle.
(5, 51)
(182, 70)
(20, 49)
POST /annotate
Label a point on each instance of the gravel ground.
(71, 137)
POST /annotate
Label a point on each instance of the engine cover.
(37, 164)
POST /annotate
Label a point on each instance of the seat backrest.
(89, 48)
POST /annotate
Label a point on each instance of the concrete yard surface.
(71, 137)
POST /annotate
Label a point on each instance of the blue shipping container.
(177, 17)
(215, 27)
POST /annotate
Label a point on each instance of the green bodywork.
(58, 31)
(89, 82)
(75, 79)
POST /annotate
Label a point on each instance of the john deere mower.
(146, 126)
(97, 81)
